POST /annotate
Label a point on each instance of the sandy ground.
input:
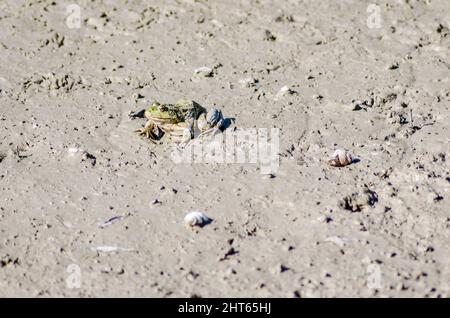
(376, 228)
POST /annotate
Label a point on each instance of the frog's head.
(157, 107)
(158, 112)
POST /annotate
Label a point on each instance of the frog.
(178, 120)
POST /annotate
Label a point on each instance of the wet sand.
(378, 87)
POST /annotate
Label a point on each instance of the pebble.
(82, 155)
(156, 201)
(204, 71)
(248, 82)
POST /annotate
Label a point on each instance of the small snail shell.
(340, 158)
(196, 219)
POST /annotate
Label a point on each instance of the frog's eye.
(162, 108)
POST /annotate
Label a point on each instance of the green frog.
(178, 120)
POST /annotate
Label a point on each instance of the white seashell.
(73, 151)
(204, 71)
(340, 158)
(196, 219)
(285, 90)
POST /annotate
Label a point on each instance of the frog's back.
(189, 108)
(186, 104)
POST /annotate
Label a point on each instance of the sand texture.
(70, 159)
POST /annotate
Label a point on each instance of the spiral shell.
(196, 219)
(340, 158)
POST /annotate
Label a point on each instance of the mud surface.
(376, 228)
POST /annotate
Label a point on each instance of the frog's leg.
(190, 122)
(202, 123)
(151, 131)
(212, 123)
(178, 132)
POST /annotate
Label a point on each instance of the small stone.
(268, 36)
(191, 276)
(286, 90)
(230, 271)
(89, 158)
(296, 294)
(284, 18)
(204, 71)
(318, 97)
(321, 218)
(248, 82)
(231, 251)
(136, 96)
(394, 66)
(283, 268)
(2, 156)
(356, 201)
(357, 107)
